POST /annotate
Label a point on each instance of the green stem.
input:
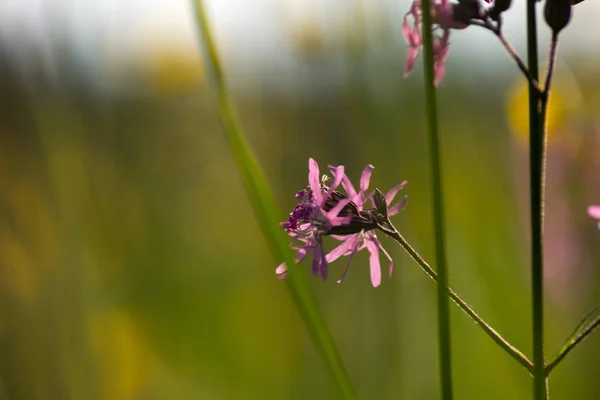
(513, 53)
(536, 171)
(582, 332)
(496, 337)
(497, 30)
(268, 214)
(443, 304)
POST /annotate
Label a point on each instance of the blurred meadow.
(132, 266)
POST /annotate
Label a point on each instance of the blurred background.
(131, 265)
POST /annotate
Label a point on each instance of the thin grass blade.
(268, 214)
(588, 324)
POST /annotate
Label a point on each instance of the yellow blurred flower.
(565, 102)
(173, 69)
(307, 38)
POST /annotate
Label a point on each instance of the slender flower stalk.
(536, 171)
(491, 332)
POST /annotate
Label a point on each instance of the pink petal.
(317, 260)
(440, 71)
(395, 209)
(594, 211)
(281, 271)
(406, 30)
(374, 262)
(365, 178)
(352, 253)
(349, 245)
(314, 180)
(301, 255)
(319, 255)
(386, 254)
(348, 187)
(338, 175)
(389, 197)
(339, 237)
(333, 213)
(411, 58)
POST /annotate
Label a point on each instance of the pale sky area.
(253, 35)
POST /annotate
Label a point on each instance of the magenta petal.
(301, 255)
(339, 237)
(353, 251)
(440, 70)
(333, 213)
(406, 30)
(347, 246)
(314, 180)
(281, 271)
(395, 209)
(594, 211)
(338, 176)
(316, 261)
(374, 262)
(365, 178)
(348, 187)
(322, 261)
(386, 254)
(389, 197)
(411, 58)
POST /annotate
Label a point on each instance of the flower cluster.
(445, 16)
(323, 211)
(443, 21)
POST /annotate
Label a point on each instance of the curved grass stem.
(267, 212)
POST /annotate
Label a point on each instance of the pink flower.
(310, 220)
(325, 212)
(366, 238)
(442, 22)
(594, 212)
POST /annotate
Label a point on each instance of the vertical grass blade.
(536, 168)
(267, 212)
(438, 209)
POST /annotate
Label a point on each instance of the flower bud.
(499, 7)
(466, 10)
(557, 14)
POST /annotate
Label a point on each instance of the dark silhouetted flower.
(594, 212)
(323, 211)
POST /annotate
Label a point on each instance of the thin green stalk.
(385, 225)
(491, 332)
(536, 171)
(587, 326)
(267, 213)
(443, 303)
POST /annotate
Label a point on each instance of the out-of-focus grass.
(131, 267)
